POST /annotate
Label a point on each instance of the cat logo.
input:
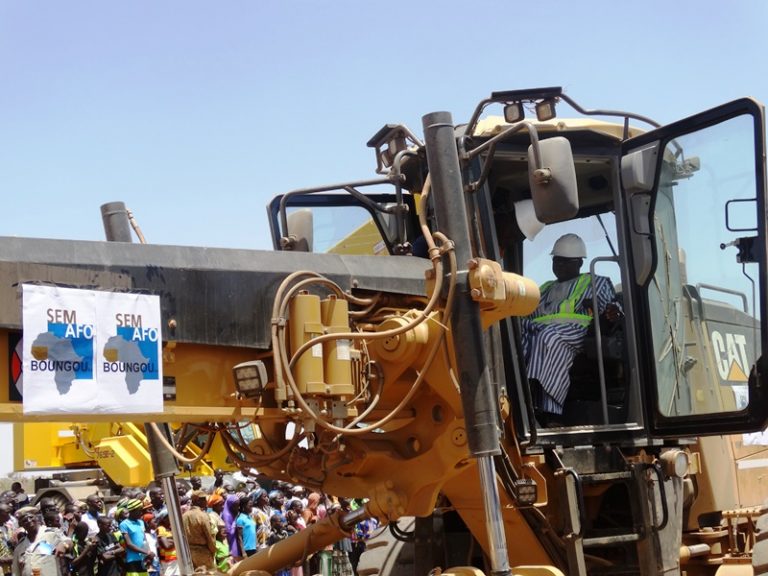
(730, 356)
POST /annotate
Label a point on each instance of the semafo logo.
(730, 351)
(101, 350)
(132, 351)
(65, 349)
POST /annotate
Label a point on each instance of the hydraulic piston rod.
(305, 542)
(477, 390)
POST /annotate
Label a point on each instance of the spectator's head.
(296, 505)
(221, 532)
(48, 505)
(313, 501)
(156, 497)
(568, 255)
(81, 531)
(246, 504)
(52, 519)
(276, 499)
(135, 493)
(29, 520)
(195, 482)
(121, 514)
(134, 506)
(118, 509)
(199, 498)
(17, 488)
(216, 503)
(260, 497)
(105, 524)
(277, 522)
(95, 504)
(72, 513)
(5, 512)
(149, 521)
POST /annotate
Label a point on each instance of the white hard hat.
(569, 246)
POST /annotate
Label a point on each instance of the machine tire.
(760, 549)
(59, 495)
(385, 555)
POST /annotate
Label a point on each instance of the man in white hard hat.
(554, 333)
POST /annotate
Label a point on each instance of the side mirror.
(552, 177)
(300, 230)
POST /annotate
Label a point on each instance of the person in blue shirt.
(137, 554)
(246, 527)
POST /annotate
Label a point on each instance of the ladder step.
(605, 477)
(608, 540)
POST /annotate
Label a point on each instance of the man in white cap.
(43, 549)
(554, 333)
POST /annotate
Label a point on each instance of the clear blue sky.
(196, 113)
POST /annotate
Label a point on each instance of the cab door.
(696, 224)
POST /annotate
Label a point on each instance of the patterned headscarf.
(214, 499)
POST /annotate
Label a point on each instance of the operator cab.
(598, 387)
(663, 215)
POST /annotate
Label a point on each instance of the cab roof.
(492, 125)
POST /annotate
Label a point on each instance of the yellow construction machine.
(378, 351)
(70, 460)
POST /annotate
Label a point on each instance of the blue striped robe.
(549, 349)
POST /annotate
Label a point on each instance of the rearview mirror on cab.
(552, 177)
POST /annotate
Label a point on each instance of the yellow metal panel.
(18, 446)
(752, 474)
(204, 388)
(217, 456)
(364, 240)
(125, 460)
(37, 445)
(717, 484)
(522, 543)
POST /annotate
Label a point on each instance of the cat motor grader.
(401, 377)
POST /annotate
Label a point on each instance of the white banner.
(91, 352)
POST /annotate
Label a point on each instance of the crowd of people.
(222, 525)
